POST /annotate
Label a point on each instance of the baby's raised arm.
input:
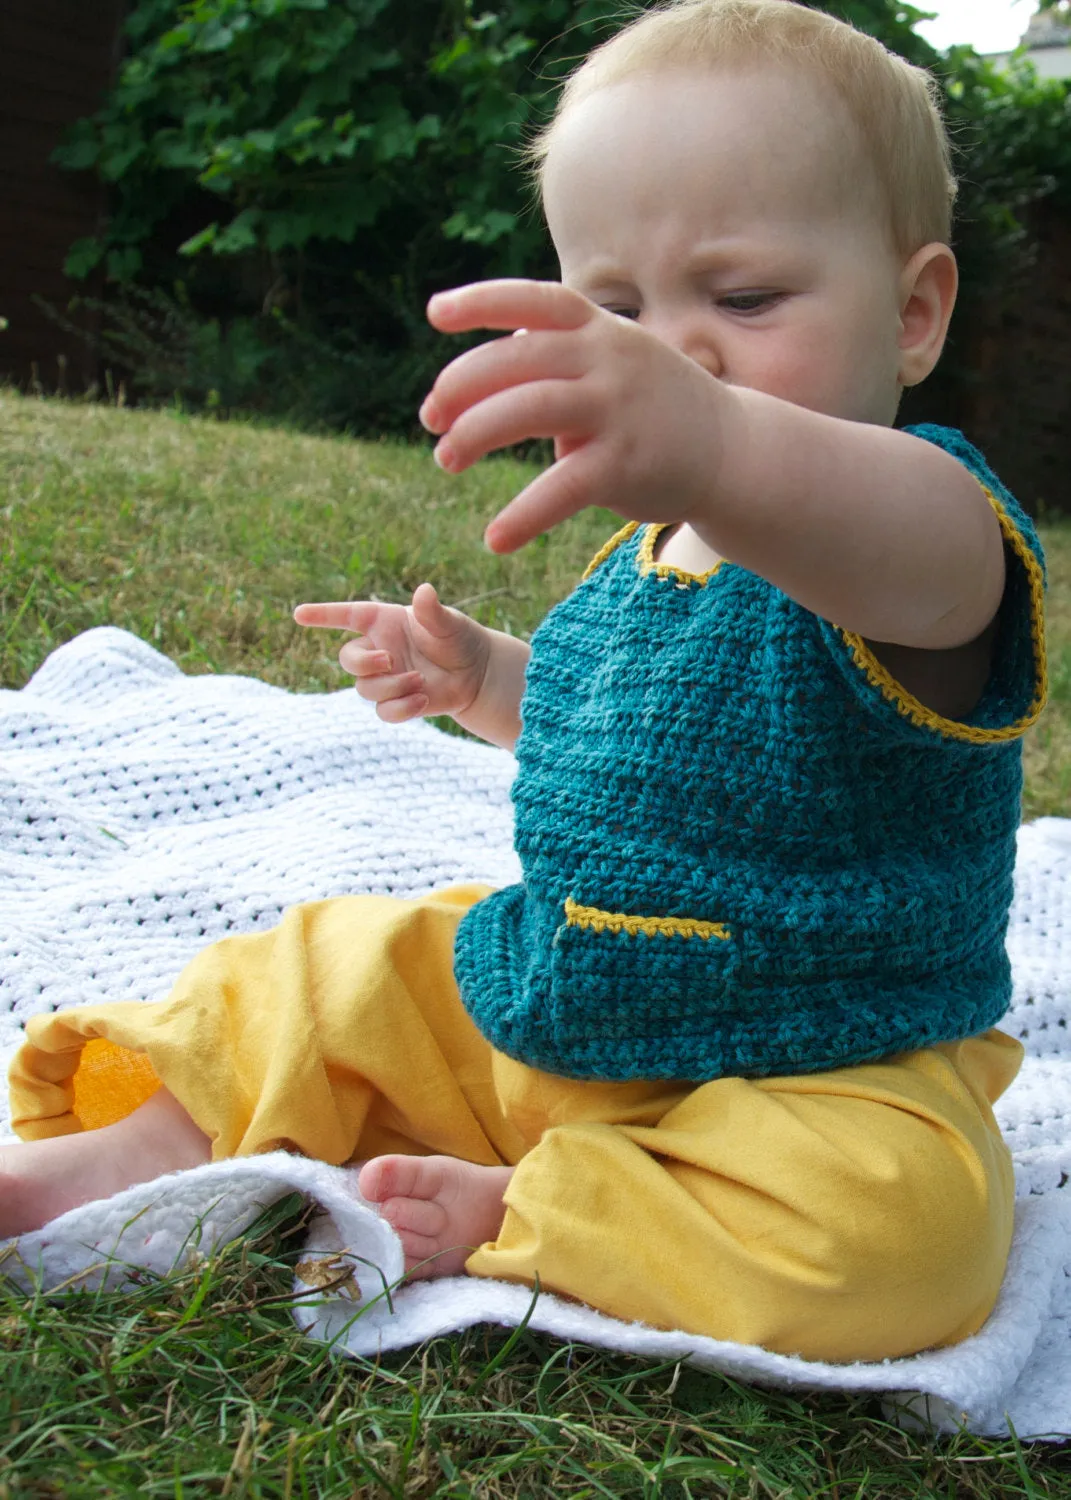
(884, 534)
(877, 530)
(424, 658)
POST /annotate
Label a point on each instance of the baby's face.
(735, 218)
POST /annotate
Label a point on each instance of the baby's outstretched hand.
(637, 425)
(411, 659)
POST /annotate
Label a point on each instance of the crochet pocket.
(635, 975)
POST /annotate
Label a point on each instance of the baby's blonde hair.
(893, 103)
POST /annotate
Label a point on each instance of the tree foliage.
(289, 179)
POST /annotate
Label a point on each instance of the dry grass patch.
(1047, 751)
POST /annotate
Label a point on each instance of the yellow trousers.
(860, 1213)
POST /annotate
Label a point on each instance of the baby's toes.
(426, 1257)
(424, 1231)
(415, 1216)
(389, 1177)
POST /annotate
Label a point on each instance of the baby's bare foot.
(441, 1207)
(43, 1179)
(38, 1183)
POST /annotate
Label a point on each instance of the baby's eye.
(749, 302)
(620, 310)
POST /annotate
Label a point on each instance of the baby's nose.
(705, 353)
(708, 359)
(686, 335)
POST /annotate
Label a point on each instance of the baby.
(725, 1059)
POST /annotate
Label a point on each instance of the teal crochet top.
(746, 849)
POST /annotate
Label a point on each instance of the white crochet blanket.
(146, 813)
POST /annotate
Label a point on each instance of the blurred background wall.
(57, 60)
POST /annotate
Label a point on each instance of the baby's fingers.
(432, 615)
(542, 409)
(397, 697)
(560, 492)
(355, 615)
(397, 710)
(509, 303)
(498, 366)
(362, 661)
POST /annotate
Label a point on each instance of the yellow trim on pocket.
(596, 920)
(910, 708)
(608, 547)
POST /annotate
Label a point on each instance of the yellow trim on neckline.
(646, 559)
(608, 547)
(596, 920)
(910, 708)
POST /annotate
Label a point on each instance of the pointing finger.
(356, 615)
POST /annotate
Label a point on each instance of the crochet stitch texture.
(746, 849)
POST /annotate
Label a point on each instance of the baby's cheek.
(824, 379)
(798, 376)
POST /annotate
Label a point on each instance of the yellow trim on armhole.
(910, 707)
(608, 547)
(596, 920)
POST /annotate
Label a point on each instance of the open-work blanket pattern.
(145, 813)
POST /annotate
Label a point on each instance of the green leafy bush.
(314, 170)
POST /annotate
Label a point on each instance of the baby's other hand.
(411, 659)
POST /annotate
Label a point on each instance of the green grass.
(201, 537)
(201, 1385)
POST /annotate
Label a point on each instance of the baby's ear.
(928, 286)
